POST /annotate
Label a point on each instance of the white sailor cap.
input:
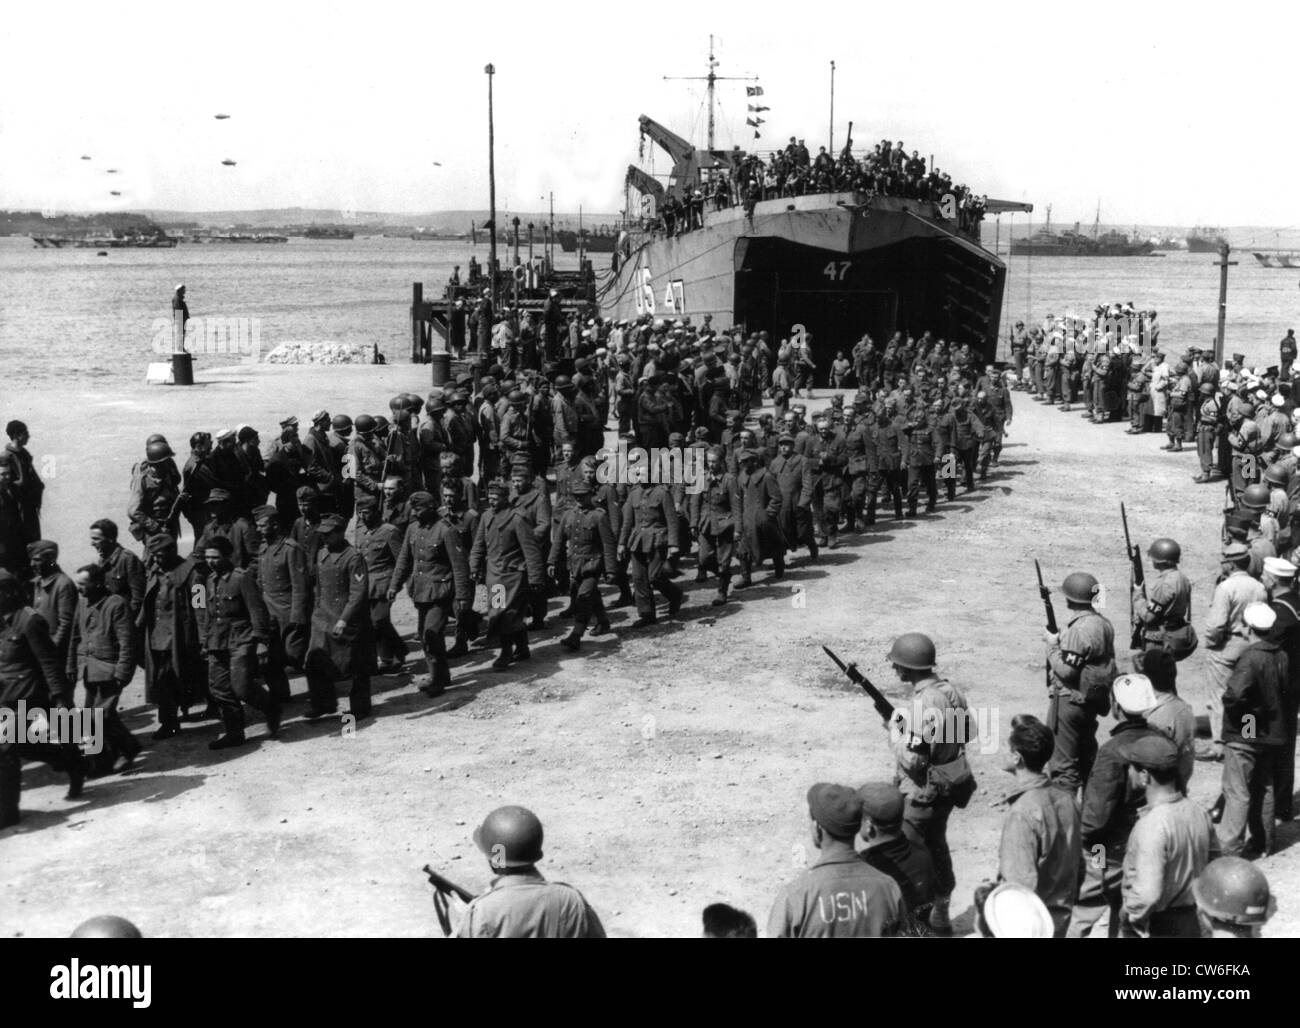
(1278, 401)
(1014, 911)
(1279, 568)
(1260, 616)
(1134, 694)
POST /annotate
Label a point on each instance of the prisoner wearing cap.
(1156, 752)
(41, 546)
(366, 502)
(264, 511)
(1236, 552)
(332, 523)
(160, 543)
(882, 802)
(1134, 694)
(306, 492)
(421, 500)
(836, 809)
(218, 496)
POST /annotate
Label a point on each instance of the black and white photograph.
(615, 471)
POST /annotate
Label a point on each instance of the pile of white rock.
(320, 353)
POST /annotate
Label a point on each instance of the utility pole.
(492, 189)
(1220, 347)
(831, 147)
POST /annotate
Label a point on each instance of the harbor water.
(69, 316)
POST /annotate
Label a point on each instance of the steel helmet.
(398, 402)
(510, 837)
(157, 449)
(1234, 890)
(340, 421)
(1287, 440)
(364, 423)
(1277, 474)
(1255, 497)
(913, 650)
(106, 926)
(1165, 549)
(1080, 587)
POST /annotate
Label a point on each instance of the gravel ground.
(668, 765)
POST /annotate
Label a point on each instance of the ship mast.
(711, 79)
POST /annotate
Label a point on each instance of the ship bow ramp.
(839, 264)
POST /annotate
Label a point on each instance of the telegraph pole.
(1220, 347)
(492, 190)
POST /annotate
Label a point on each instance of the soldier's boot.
(984, 469)
(778, 565)
(461, 646)
(439, 679)
(625, 597)
(939, 919)
(701, 575)
(832, 539)
(573, 640)
(870, 518)
(746, 575)
(567, 612)
(1178, 446)
(507, 651)
(950, 484)
(1066, 406)
(724, 586)
(522, 652)
(675, 600)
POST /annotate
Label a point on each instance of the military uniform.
(55, 599)
(1169, 847)
(30, 672)
(926, 775)
(922, 442)
(507, 555)
(1082, 662)
(1040, 846)
(243, 537)
(232, 621)
(124, 576)
(1225, 641)
(433, 559)
(1163, 610)
(960, 433)
(714, 514)
(153, 507)
(863, 469)
(101, 655)
(526, 906)
(379, 547)
(794, 477)
(342, 593)
(368, 462)
(650, 528)
(585, 537)
(175, 675)
(286, 590)
(840, 896)
(534, 507)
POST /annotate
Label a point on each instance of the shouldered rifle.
(883, 707)
(1139, 578)
(1053, 711)
(443, 889)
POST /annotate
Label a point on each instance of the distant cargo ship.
(328, 233)
(233, 237)
(602, 240)
(1046, 243)
(1167, 243)
(130, 240)
(1205, 240)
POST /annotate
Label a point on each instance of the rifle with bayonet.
(1053, 709)
(443, 889)
(883, 707)
(1139, 579)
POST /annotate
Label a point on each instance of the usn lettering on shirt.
(842, 907)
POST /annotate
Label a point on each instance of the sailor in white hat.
(1012, 911)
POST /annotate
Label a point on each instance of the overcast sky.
(1164, 114)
